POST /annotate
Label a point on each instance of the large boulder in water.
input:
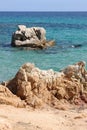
(34, 37)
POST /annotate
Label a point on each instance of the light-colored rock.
(34, 37)
(7, 97)
(37, 87)
(77, 70)
(22, 28)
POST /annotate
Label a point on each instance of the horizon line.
(41, 11)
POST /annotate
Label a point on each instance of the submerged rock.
(40, 87)
(33, 37)
(76, 45)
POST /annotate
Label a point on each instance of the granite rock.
(32, 38)
(39, 87)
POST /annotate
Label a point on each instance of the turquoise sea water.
(68, 29)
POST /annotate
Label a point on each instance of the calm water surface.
(67, 28)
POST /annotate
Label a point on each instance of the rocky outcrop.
(40, 87)
(33, 38)
(8, 98)
(77, 71)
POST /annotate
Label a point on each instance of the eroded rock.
(34, 37)
(7, 97)
(39, 87)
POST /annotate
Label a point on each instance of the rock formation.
(38, 88)
(7, 97)
(33, 37)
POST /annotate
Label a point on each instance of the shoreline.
(34, 87)
(27, 102)
(37, 99)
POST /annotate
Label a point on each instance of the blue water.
(66, 28)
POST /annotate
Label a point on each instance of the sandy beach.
(30, 102)
(46, 119)
(43, 71)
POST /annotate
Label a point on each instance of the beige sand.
(46, 119)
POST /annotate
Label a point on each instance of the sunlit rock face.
(40, 87)
(32, 38)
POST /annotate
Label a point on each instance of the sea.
(68, 29)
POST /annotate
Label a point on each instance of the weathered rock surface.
(40, 87)
(33, 37)
(7, 97)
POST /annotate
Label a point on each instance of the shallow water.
(68, 29)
